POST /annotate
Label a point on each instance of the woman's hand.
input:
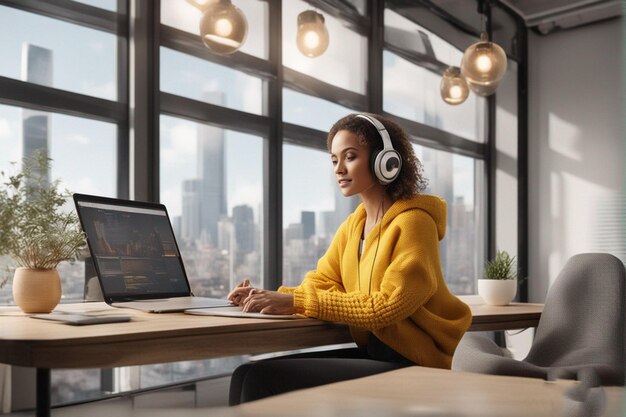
(268, 302)
(240, 292)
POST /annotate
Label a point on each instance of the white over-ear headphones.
(386, 163)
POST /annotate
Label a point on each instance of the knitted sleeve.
(408, 282)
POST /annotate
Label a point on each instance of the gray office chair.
(581, 329)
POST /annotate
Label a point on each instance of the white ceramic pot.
(36, 290)
(497, 292)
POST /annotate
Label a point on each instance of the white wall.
(576, 148)
(506, 162)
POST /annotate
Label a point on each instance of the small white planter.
(497, 292)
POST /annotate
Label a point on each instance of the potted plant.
(36, 233)
(499, 285)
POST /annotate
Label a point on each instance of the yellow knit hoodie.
(396, 290)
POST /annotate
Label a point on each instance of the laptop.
(136, 256)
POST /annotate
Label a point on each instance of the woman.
(381, 274)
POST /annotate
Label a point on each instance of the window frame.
(38, 97)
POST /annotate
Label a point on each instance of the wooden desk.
(157, 338)
(418, 391)
(414, 392)
(509, 317)
(148, 338)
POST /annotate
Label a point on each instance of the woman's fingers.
(251, 294)
(239, 292)
(256, 300)
(268, 302)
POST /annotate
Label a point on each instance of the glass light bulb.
(483, 66)
(312, 38)
(453, 88)
(223, 27)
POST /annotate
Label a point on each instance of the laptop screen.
(133, 248)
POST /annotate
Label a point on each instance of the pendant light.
(223, 27)
(483, 66)
(453, 87)
(312, 38)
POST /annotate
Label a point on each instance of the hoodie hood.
(435, 206)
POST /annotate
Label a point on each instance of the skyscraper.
(212, 174)
(243, 219)
(37, 69)
(308, 223)
(190, 221)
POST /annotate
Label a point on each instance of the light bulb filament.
(311, 39)
(483, 63)
(456, 92)
(223, 27)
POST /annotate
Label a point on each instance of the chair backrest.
(583, 322)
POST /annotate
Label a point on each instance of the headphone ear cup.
(387, 164)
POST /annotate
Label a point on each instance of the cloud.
(210, 87)
(180, 144)
(246, 194)
(78, 138)
(173, 201)
(105, 90)
(82, 185)
(96, 46)
(253, 98)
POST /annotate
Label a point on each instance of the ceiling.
(550, 15)
(545, 16)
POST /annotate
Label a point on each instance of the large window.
(460, 181)
(211, 185)
(412, 92)
(309, 111)
(452, 153)
(411, 76)
(195, 78)
(84, 158)
(313, 209)
(344, 62)
(58, 54)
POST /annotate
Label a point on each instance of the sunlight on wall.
(507, 133)
(575, 207)
(565, 138)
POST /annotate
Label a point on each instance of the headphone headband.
(382, 131)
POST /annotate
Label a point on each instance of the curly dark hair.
(411, 179)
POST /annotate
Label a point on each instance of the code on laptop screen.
(134, 250)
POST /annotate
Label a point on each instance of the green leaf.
(503, 266)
